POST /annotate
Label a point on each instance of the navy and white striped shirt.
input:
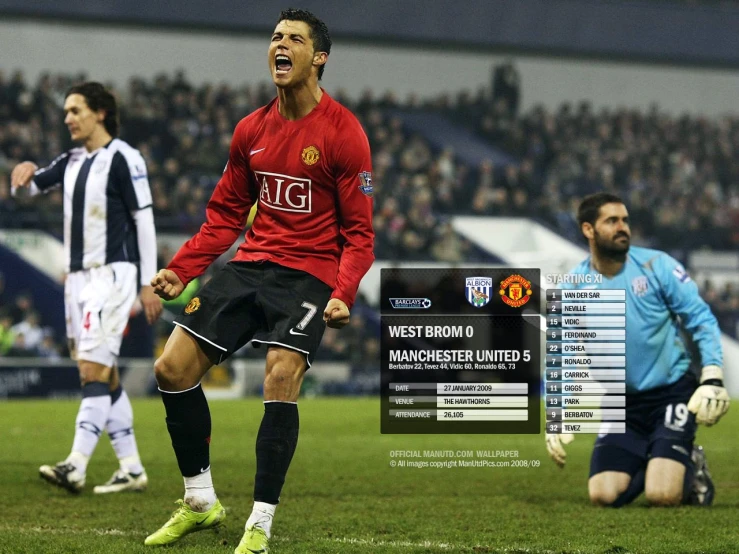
(104, 191)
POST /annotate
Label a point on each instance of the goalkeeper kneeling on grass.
(665, 400)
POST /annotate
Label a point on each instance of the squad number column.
(586, 361)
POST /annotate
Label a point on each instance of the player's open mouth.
(283, 64)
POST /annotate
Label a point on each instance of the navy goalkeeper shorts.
(658, 425)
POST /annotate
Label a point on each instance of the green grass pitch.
(342, 495)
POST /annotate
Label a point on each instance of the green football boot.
(185, 521)
(254, 541)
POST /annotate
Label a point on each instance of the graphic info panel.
(586, 361)
(458, 352)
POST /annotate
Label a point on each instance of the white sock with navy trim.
(91, 418)
(119, 427)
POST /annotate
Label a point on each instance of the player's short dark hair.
(589, 208)
(99, 98)
(318, 31)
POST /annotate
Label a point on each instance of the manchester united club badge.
(310, 155)
(192, 306)
(515, 291)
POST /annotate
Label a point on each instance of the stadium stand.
(433, 159)
(662, 165)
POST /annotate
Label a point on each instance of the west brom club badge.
(478, 290)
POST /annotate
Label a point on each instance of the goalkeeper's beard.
(610, 249)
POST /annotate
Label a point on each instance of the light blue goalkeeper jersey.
(660, 298)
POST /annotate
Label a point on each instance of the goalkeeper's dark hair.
(589, 208)
(99, 98)
(318, 31)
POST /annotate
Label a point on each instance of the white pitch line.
(396, 544)
(71, 531)
(340, 540)
(421, 544)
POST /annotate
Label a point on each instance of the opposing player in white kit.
(110, 247)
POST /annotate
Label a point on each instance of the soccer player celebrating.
(109, 242)
(306, 159)
(664, 401)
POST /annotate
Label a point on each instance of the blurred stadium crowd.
(678, 174)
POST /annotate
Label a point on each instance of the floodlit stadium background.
(488, 121)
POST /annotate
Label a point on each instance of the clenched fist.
(167, 284)
(336, 314)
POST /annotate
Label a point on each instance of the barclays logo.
(410, 303)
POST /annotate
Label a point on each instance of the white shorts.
(97, 304)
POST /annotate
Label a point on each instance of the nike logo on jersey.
(257, 151)
(294, 332)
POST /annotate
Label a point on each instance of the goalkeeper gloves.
(555, 448)
(710, 400)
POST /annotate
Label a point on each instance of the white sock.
(120, 430)
(91, 417)
(131, 464)
(262, 515)
(79, 461)
(199, 492)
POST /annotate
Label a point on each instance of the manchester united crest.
(515, 291)
(310, 155)
(478, 290)
(192, 306)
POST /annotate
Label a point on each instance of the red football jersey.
(312, 178)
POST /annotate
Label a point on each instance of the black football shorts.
(261, 302)
(658, 425)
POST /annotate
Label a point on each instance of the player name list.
(461, 370)
(585, 361)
